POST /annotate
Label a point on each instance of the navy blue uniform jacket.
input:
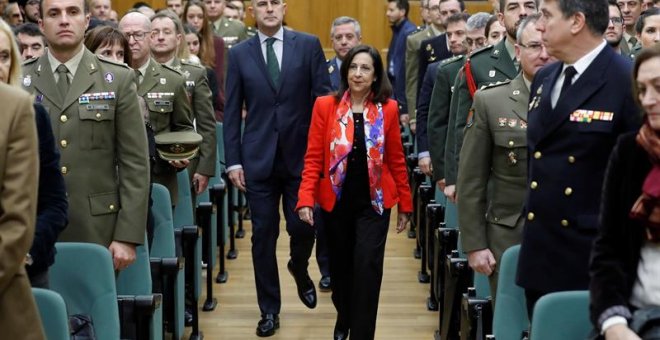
(567, 162)
(278, 115)
(333, 71)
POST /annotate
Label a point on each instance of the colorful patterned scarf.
(647, 207)
(343, 129)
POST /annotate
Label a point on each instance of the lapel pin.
(491, 73)
(27, 81)
(330, 69)
(92, 66)
(516, 92)
(163, 81)
(109, 77)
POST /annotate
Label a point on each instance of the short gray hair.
(530, 19)
(343, 21)
(477, 21)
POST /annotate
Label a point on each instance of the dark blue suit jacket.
(423, 106)
(397, 55)
(52, 204)
(431, 50)
(333, 71)
(278, 115)
(567, 162)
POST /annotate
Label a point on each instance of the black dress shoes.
(306, 289)
(268, 324)
(324, 284)
(340, 335)
(341, 330)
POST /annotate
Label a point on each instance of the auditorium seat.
(83, 275)
(562, 315)
(510, 318)
(52, 311)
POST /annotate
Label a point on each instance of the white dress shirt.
(278, 45)
(580, 66)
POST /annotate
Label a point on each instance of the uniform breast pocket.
(510, 148)
(97, 123)
(160, 113)
(595, 127)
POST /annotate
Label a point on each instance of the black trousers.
(264, 200)
(356, 237)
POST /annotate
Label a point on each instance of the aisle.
(402, 313)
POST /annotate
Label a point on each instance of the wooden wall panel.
(316, 16)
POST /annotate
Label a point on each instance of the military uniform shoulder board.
(29, 61)
(417, 30)
(492, 85)
(481, 50)
(172, 69)
(112, 62)
(191, 63)
(452, 59)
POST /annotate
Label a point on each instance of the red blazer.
(316, 186)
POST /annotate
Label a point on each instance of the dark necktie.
(569, 74)
(138, 76)
(63, 81)
(271, 62)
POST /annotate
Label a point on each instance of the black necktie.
(271, 62)
(569, 73)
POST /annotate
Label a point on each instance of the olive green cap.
(178, 146)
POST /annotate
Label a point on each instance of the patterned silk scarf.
(647, 207)
(343, 129)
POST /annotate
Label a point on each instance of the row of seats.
(147, 300)
(462, 297)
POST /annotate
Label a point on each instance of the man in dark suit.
(578, 108)
(397, 15)
(266, 160)
(345, 34)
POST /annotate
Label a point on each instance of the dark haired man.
(578, 108)
(397, 15)
(96, 122)
(31, 41)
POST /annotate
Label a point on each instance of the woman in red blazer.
(355, 170)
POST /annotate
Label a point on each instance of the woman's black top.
(356, 185)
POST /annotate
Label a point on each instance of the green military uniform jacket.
(413, 43)
(492, 182)
(103, 146)
(488, 65)
(163, 89)
(231, 31)
(439, 113)
(199, 93)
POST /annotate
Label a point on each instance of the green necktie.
(271, 62)
(63, 81)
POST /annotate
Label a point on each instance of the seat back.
(163, 242)
(562, 315)
(84, 276)
(510, 318)
(52, 311)
(183, 212)
(136, 278)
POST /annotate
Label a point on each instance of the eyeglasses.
(616, 20)
(138, 36)
(535, 48)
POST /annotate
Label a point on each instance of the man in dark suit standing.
(278, 74)
(578, 108)
(345, 34)
(397, 15)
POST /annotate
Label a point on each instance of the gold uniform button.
(64, 143)
(112, 207)
(564, 223)
(530, 216)
(568, 191)
(98, 115)
(511, 143)
(534, 185)
(537, 155)
(496, 219)
(63, 118)
(571, 159)
(64, 170)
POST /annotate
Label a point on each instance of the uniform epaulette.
(187, 62)
(452, 59)
(171, 69)
(480, 50)
(492, 85)
(112, 62)
(417, 30)
(29, 61)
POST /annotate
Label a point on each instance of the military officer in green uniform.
(485, 66)
(163, 90)
(165, 52)
(231, 31)
(492, 180)
(413, 43)
(97, 124)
